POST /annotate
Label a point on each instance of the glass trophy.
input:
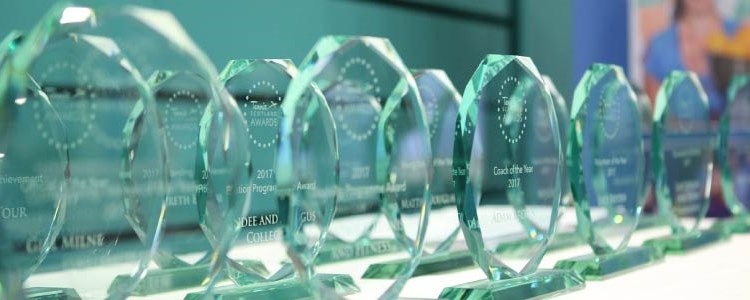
(91, 72)
(304, 154)
(507, 169)
(605, 163)
(384, 152)
(183, 256)
(33, 178)
(733, 156)
(682, 157)
(565, 235)
(650, 216)
(441, 101)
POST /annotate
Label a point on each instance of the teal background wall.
(452, 35)
(546, 35)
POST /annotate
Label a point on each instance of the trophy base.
(737, 224)
(521, 247)
(429, 264)
(682, 243)
(599, 267)
(51, 294)
(337, 251)
(651, 221)
(165, 280)
(288, 288)
(543, 283)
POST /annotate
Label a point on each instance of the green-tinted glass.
(683, 146)
(441, 101)
(605, 161)
(565, 235)
(507, 170)
(33, 181)
(733, 155)
(384, 148)
(93, 72)
(258, 87)
(294, 177)
(505, 146)
(181, 98)
(734, 135)
(563, 115)
(682, 158)
(650, 216)
(606, 158)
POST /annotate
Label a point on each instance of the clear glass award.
(733, 156)
(93, 74)
(605, 163)
(294, 156)
(565, 234)
(507, 170)
(441, 101)
(683, 148)
(183, 256)
(384, 151)
(33, 179)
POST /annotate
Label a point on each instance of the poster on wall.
(709, 37)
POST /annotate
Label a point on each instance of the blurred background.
(447, 34)
(648, 38)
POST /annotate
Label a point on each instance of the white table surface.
(720, 271)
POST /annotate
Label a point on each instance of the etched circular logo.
(356, 115)
(262, 112)
(609, 112)
(73, 108)
(511, 110)
(181, 117)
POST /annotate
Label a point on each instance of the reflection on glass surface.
(606, 160)
(683, 151)
(384, 150)
(93, 75)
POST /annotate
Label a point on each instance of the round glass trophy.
(384, 151)
(441, 101)
(33, 178)
(294, 176)
(93, 73)
(733, 155)
(507, 170)
(683, 149)
(605, 163)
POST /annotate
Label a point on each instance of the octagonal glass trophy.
(507, 169)
(33, 181)
(441, 101)
(182, 97)
(605, 163)
(384, 151)
(565, 234)
(733, 155)
(92, 72)
(683, 148)
(294, 179)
